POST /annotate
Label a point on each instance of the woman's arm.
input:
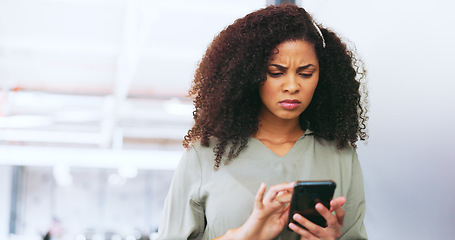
(183, 213)
(354, 227)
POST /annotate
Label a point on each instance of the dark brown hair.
(226, 85)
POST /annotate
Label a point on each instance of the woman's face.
(292, 77)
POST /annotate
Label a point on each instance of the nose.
(291, 84)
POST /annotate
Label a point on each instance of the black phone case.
(306, 195)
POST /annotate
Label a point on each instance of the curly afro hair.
(225, 89)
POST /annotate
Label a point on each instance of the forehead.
(295, 50)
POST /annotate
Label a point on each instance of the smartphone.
(306, 195)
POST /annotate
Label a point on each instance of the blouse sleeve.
(183, 213)
(353, 227)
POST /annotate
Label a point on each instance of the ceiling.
(109, 74)
(148, 48)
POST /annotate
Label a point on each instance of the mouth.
(290, 104)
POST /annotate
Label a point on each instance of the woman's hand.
(270, 214)
(334, 222)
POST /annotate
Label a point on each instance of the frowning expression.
(292, 77)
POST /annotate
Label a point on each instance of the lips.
(290, 104)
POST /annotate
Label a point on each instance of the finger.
(339, 202)
(284, 198)
(289, 190)
(260, 196)
(329, 217)
(309, 225)
(311, 230)
(285, 214)
(336, 205)
(274, 190)
(302, 232)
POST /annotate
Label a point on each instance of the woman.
(276, 101)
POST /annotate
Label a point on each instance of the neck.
(278, 129)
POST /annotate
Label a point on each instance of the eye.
(275, 74)
(306, 75)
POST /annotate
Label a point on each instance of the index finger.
(284, 198)
(274, 190)
(336, 205)
(329, 217)
(260, 195)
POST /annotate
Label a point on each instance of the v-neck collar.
(292, 151)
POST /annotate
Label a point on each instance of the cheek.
(266, 92)
(311, 88)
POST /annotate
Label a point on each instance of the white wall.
(408, 163)
(5, 196)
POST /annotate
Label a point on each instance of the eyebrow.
(299, 69)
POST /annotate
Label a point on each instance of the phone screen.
(306, 195)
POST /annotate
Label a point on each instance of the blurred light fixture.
(77, 116)
(116, 180)
(24, 121)
(88, 157)
(177, 107)
(62, 175)
(128, 171)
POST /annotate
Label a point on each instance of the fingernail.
(292, 226)
(319, 206)
(297, 217)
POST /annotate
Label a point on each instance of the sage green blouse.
(203, 203)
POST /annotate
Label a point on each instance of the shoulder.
(331, 144)
(206, 155)
(329, 148)
(197, 149)
(208, 151)
(199, 154)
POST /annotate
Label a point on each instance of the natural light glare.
(25, 121)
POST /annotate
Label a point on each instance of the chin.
(292, 114)
(289, 116)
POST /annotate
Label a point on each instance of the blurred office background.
(93, 110)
